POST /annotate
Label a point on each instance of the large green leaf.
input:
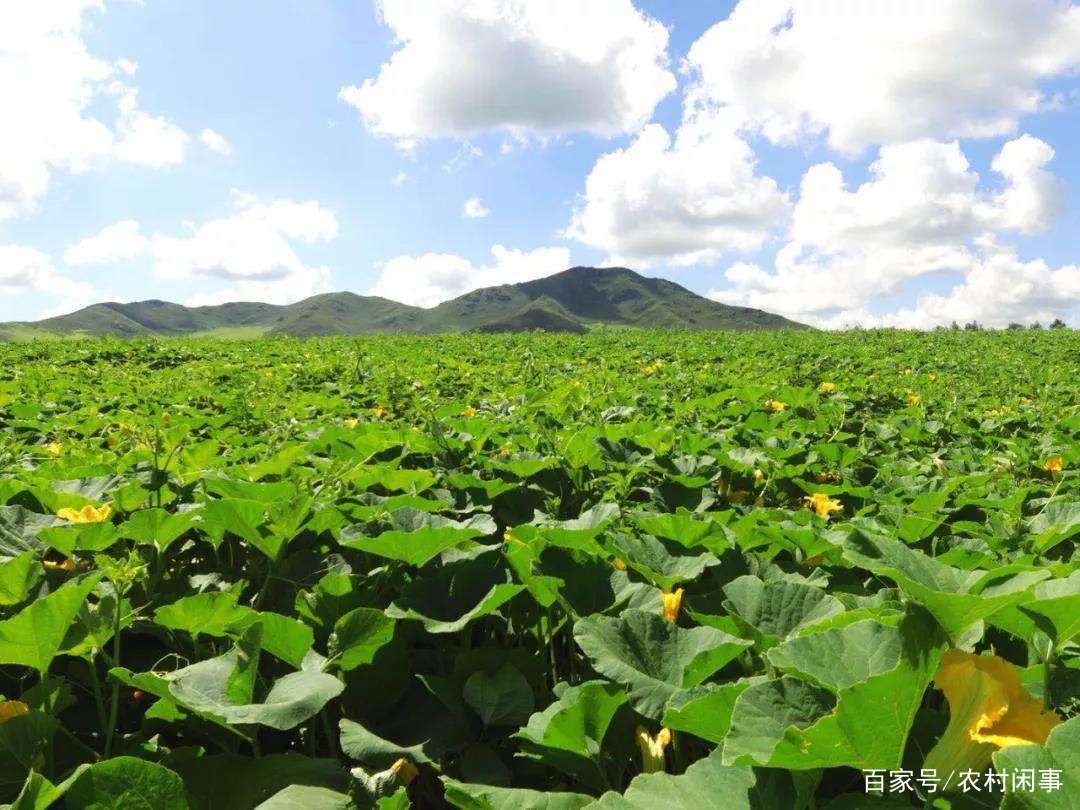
(706, 783)
(417, 537)
(501, 698)
(457, 594)
(816, 715)
(226, 781)
(17, 576)
(488, 797)
(33, 636)
(655, 658)
(222, 687)
(126, 783)
(568, 735)
(1061, 753)
(956, 598)
(654, 561)
(773, 611)
(358, 635)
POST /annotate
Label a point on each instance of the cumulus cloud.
(921, 213)
(680, 201)
(24, 269)
(432, 278)
(465, 67)
(45, 125)
(252, 250)
(474, 209)
(881, 71)
(116, 243)
(215, 142)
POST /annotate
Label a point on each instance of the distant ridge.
(571, 301)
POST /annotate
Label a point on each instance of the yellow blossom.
(822, 504)
(619, 564)
(672, 602)
(469, 412)
(931, 376)
(914, 399)
(758, 475)
(652, 749)
(405, 770)
(775, 405)
(649, 370)
(827, 387)
(88, 514)
(12, 708)
(351, 422)
(1054, 464)
(378, 411)
(907, 372)
(66, 565)
(165, 417)
(989, 709)
(55, 449)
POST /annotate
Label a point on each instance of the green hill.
(570, 301)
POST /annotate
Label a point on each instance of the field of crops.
(620, 570)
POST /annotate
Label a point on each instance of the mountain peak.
(569, 301)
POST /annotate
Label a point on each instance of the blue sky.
(299, 188)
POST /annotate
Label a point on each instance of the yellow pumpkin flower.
(12, 708)
(672, 602)
(932, 377)
(1054, 464)
(619, 564)
(758, 475)
(989, 709)
(351, 422)
(652, 749)
(55, 449)
(913, 399)
(649, 370)
(88, 514)
(469, 412)
(822, 504)
(405, 770)
(827, 387)
(775, 405)
(378, 411)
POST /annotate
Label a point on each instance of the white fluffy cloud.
(116, 243)
(679, 202)
(1000, 289)
(881, 71)
(252, 250)
(474, 209)
(215, 142)
(921, 213)
(541, 66)
(25, 269)
(52, 81)
(432, 278)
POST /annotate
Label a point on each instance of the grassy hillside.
(565, 302)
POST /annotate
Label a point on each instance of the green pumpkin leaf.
(126, 782)
(655, 658)
(501, 699)
(358, 635)
(34, 635)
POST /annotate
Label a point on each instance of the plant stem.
(114, 706)
(96, 683)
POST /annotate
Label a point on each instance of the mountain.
(571, 301)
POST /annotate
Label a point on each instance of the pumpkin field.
(626, 569)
